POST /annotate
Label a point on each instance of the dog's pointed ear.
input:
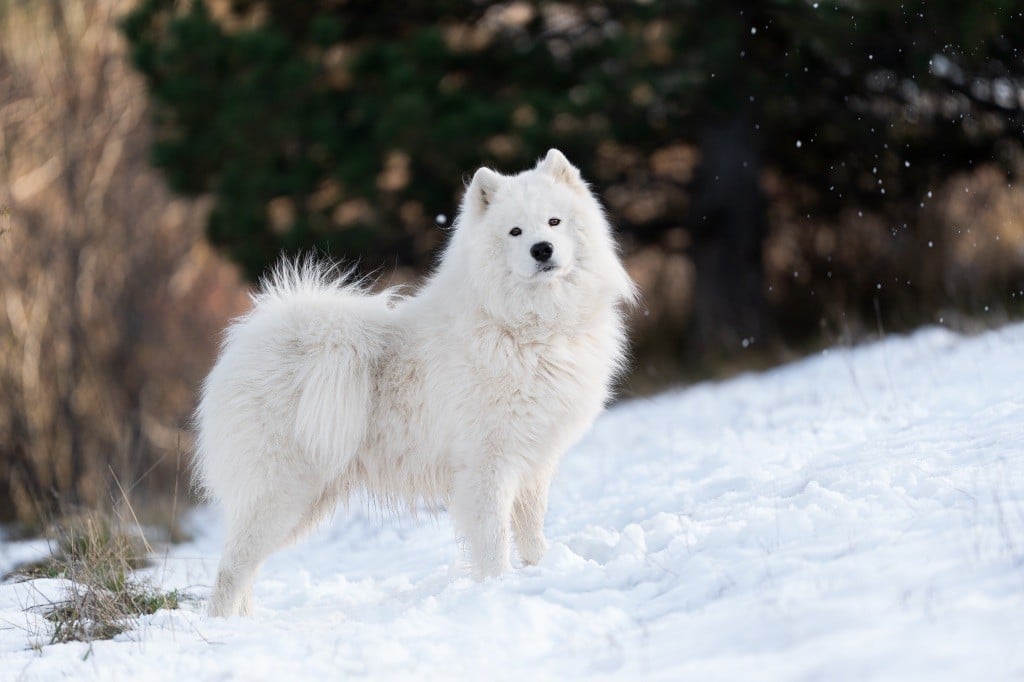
(481, 190)
(556, 165)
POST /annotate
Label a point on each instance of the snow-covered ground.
(858, 515)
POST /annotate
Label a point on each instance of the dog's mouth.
(546, 271)
(549, 272)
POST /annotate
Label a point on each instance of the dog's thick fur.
(464, 394)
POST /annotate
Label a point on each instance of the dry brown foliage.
(110, 300)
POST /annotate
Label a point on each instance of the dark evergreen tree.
(349, 125)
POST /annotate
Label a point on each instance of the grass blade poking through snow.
(98, 557)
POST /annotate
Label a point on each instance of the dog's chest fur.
(538, 385)
(520, 396)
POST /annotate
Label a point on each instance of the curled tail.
(293, 385)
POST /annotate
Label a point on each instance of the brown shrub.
(109, 299)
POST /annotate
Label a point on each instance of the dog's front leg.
(528, 509)
(482, 509)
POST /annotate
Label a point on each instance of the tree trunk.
(729, 229)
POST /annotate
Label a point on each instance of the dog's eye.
(554, 221)
(515, 232)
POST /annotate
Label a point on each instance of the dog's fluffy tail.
(292, 387)
(306, 275)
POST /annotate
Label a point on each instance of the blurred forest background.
(783, 175)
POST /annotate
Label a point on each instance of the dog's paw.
(532, 551)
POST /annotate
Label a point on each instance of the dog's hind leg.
(320, 509)
(262, 527)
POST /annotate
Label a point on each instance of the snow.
(857, 515)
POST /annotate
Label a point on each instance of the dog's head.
(542, 234)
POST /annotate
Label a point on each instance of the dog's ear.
(556, 165)
(481, 190)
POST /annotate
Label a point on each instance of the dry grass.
(98, 555)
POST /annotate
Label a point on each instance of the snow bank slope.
(856, 515)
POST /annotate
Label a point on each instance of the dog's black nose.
(541, 251)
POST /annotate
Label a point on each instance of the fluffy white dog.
(465, 394)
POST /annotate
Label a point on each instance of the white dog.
(464, 394)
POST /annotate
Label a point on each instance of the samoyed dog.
(463, 395)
